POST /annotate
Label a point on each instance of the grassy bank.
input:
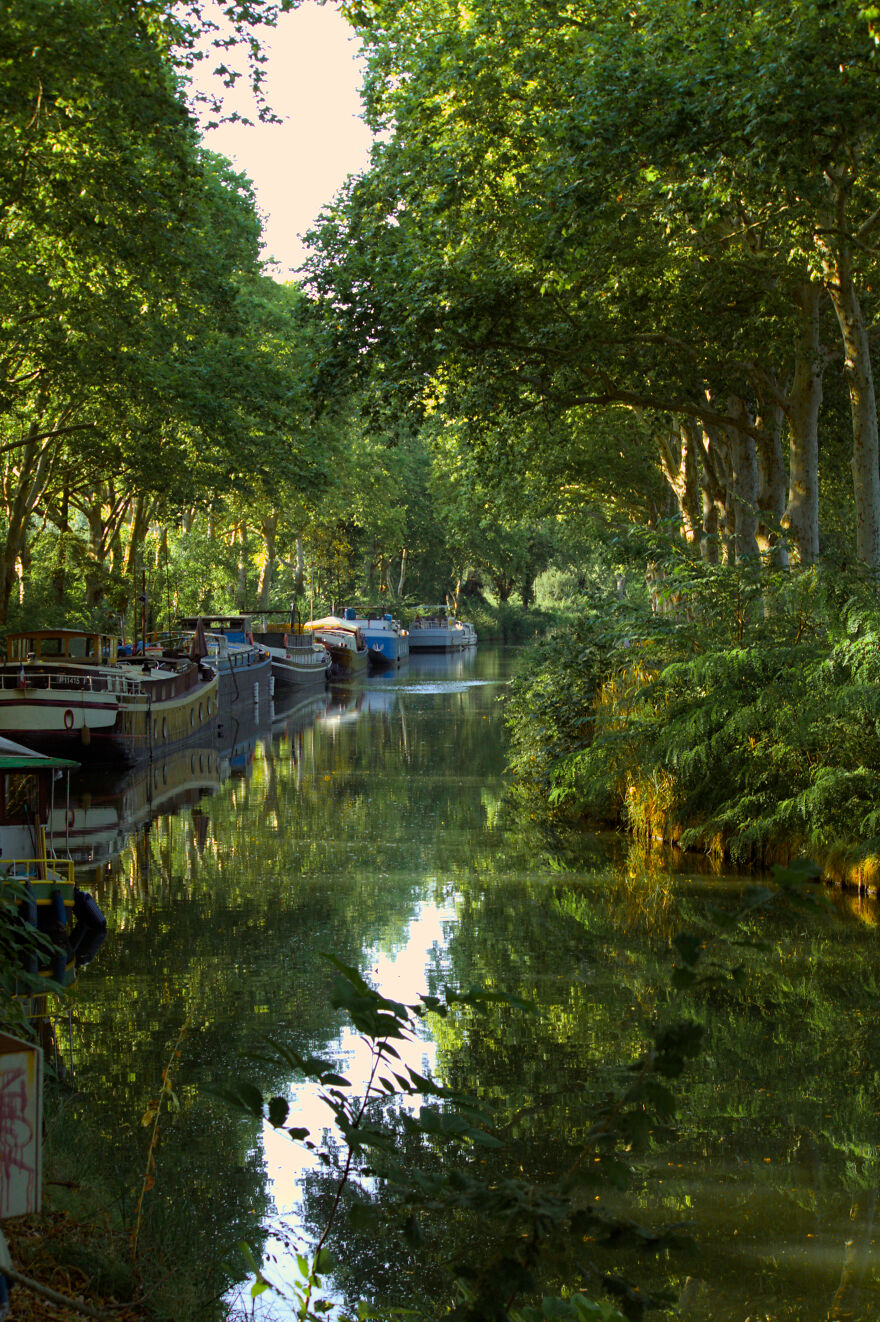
(736, 714)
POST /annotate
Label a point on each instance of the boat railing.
(59, 870)
(299, 642)
(247, 658)
(67, 683)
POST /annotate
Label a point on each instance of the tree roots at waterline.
(651, 817)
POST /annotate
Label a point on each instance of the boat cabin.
(65, 645)
(237, 628)
(27, 798)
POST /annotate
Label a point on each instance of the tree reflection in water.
(342, 832)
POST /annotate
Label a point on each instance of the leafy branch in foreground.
(552, 1235)
(530, 1221)
(24, 950)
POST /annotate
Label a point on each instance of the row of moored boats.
(91, 696)
(69, 696)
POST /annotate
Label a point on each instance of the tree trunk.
(59, 573)
(714, 483)
(299, 575)
(863, 405)
(772, 487)
(369, 570)
(137, 531)
(269, 529)
(241, 594)
(503, 587)
(678, 459)
(27, 475)
(859, 375)
(95, 559)
(402, 580)
(709, 539)
(744, 475)
(805, 399)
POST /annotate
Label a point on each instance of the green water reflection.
(374, 826)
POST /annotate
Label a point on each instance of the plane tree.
(564, 211)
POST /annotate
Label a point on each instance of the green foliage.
(404, 1118)
(23, 950)
(746, 719)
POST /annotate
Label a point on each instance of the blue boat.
(387, 641)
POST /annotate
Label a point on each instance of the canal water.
(374, 825)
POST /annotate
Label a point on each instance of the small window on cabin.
(81, 647)
(52, 647)
(22, 648)
(22, 797)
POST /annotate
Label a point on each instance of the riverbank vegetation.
(746, 723)
(631, 254)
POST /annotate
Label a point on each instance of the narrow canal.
(372, 825)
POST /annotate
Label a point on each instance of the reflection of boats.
(243, 668)
(343, 708)
(68, 690)
(298, 713)
(436, 633)
(40, 882)
(344, 642)
(103, 811)
(238, 734)
(380, 700)
(387, 642)
(446, 665)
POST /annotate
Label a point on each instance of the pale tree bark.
(26, 475)
(711, 446)
(241, 594)
(141, 514)
(679, 462)
(402, 579)
(804, 402)
(300, 572)
(104, 512)
(62, 522)
(744, 478)
(269, 530)
(389, 578)
(772, 485)
(858, 370)
(95, 558)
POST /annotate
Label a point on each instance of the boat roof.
(333, 622)
(15, 757)
(55, 633)
(190, 621)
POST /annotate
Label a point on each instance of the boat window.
(81, 647)
(21, 797)
(51, 647)
(20, 648)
